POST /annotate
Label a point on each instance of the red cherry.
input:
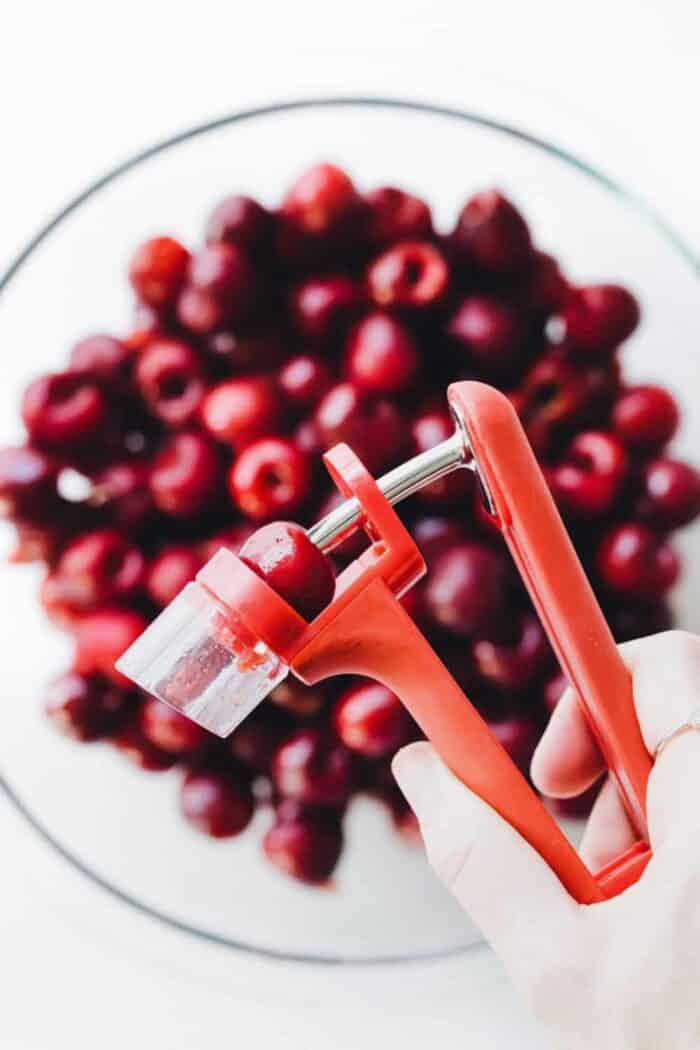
(27, 483)
(321, 305)
(122, 490)
(305, 845)
(170, 378)
(134, 746)
(309, 767)
(99, 566)
(435, 535)
(169, 730)
(232, 538)
(373, 429)
(320, 200)
(269, 479)
(304, 380)
(393, 215)
(381, 355)
(511, 664)
(553, 690)
(256, 739)
(102, 357)
(241, 221)
(635, 561)
(598, 317)
(284, 556)
(517, 735)
(86, 707)
(185, 474)
(158, 269)
(670, 493)
(639, 618)
(249, 350)
(171, 570)
(412, 273)
(491, 234)
(429, 428)
(488, 330)
(216, 803)
(224, 271)
(200, 312)
(239, 411)
(63, 409)
(371, 720)
(466, 588)
(301, 700)
(555, 394)
(645, 417)
(589, 479)
(545, 288)
(101, 637)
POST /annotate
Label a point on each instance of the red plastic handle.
(558, 586)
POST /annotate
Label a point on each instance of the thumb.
(498, 878)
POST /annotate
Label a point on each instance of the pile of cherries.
(339, 316)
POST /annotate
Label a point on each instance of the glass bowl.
(94, 808)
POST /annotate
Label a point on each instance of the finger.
(608, 830)
(504, 884)
(567, 760)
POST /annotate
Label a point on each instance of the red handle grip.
(558, 586)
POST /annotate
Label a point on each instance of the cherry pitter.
(228, 639)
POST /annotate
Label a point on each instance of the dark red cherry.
(491, 234)
(102, 357)
(589, 479)
(489, 332)
(320, 200)
(216, 803)
(172, 569)
(169, 730)
(63, 409)
(633, 560)
(27, 483)
(304, 380)
(185, 474)
(171, 381)
(645, 417)
(394, 215)
(86, 707)
(321, 305)
(241, 410)
(102, 636)
(372, 428)
(412, 274)
(305, 844)
(371, 720)
(284, 556)
(670, 493)
(512, 662)
(241, 221)
(98, 567)
(312, 768)
(269, 479)
(158, 269)
(466, 588)
(598, 317)
(381, 357)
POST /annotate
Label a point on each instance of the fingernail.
(413, 769)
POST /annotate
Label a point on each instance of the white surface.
(85, 86)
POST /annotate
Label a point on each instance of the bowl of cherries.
(181, 347)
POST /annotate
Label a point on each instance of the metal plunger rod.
(396, 485)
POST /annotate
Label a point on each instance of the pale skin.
(623, 975)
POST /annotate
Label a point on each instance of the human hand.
(623, 974)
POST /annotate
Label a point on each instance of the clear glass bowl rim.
(627, 197)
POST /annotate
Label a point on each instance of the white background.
(83, 86)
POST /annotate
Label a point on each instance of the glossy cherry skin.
(102, 636)
(257, 738)
(122, 491)
(588, 481)
(310, 767)
(201, 312)
(301, 700)
(372, 428)
(158, 269)
(269, 479)
(224, 271)
(381, 356)
(171, 570)
(216, 803)
(430, 427)
(393, 215)
(169, 730)
(320, 305)
(63, 409)
(241, 410)
(517, 735)
(492, 235)
(435, 534)
(171, 380)
(597, 318)
(488, 331)
(554, 395)
(544, 287)
(85, 707)
(140, 752)
(98, 567)
(304, 380)
(241, 221)
(185, 474)
(27, 483)
(283, 555)
(371, 720)
(411, 274)
(512, 663)
(466, 588)
(304, 844)
(320, 200)
(635, 561)
(645, 417)
(670, 493)
(102, 357)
